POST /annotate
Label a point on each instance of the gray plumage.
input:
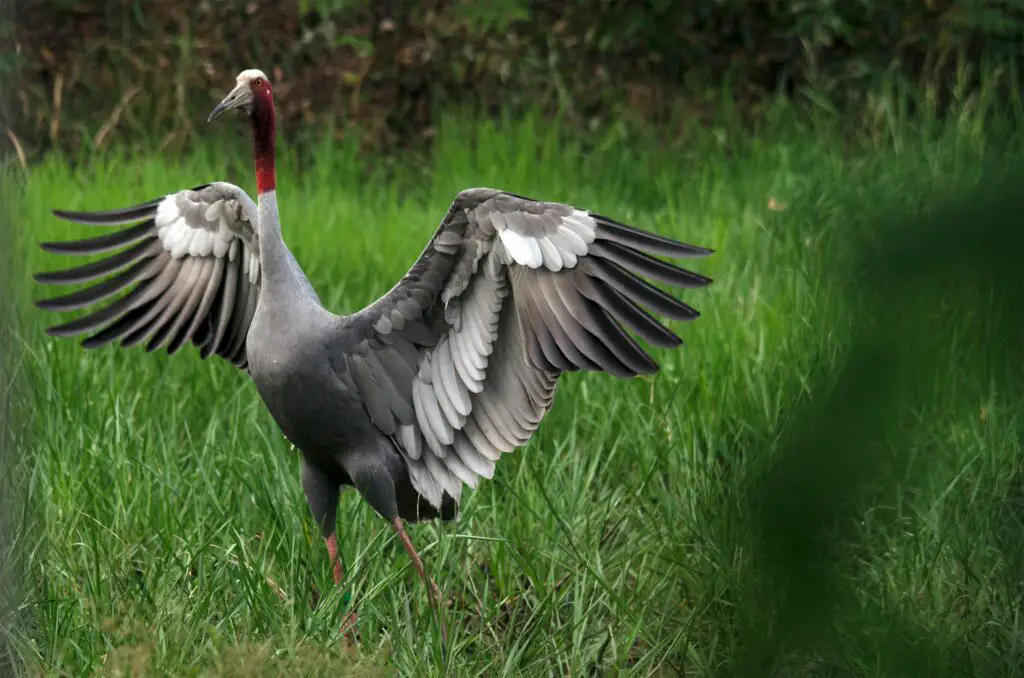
(427, 387)
(421, 392)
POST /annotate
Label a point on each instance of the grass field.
(164, 526)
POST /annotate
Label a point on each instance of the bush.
(94, 69)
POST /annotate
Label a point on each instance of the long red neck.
(263, 140)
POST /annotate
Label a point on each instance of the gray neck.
(282, 278)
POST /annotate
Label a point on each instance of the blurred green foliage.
(97, 69)
(846, 447)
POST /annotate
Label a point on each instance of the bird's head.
(252, 87)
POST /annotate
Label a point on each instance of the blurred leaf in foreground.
(842, 449)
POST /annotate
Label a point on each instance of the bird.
(421, 392)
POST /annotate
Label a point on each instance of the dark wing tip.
(654, 369)
(54, 247)
(698, 280)
(691, 314)
(76, 217)
(71, 246)
(112, 217)
(646, 241)
(701, 251)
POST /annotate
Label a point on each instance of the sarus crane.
(423, 390)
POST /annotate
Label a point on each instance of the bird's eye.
(258, 81)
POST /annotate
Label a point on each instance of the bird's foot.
(435, 600)
(350, 629)
(432, 591)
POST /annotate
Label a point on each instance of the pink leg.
(432, 592)
(348, 628)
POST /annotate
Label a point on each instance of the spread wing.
(458, 363)
(189, 265)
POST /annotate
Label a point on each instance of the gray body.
(423, 390)
(312, 398)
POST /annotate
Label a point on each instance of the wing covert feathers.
(459, 362)
(185, 269)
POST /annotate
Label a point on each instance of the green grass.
(165, 526)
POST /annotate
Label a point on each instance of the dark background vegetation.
(85, 74)
(92, 71)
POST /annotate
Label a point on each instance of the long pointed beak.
(215, 113)
(239, 96)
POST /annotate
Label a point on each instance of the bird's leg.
(417, 562)
(375, 482)
(348, 627)
(332, 551)
(321, 492)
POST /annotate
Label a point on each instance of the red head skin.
(263, 134)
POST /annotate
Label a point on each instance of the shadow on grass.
(842, 451)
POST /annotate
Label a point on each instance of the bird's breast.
(306, 399)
